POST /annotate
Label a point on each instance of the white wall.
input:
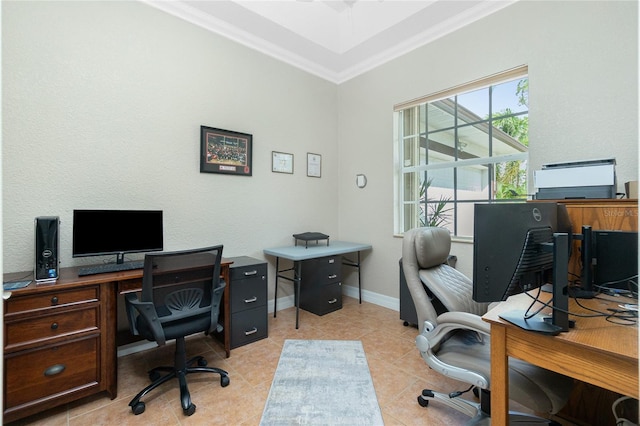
(102, 108)
(583, 87)
(102, 104)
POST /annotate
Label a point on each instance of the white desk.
(300, 253)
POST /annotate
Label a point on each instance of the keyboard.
(110, 267)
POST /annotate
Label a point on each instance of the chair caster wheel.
(138, 408)
(202, 362)
(189, 411)
(224, 381)
(423, 402)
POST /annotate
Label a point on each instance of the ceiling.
(334, 39)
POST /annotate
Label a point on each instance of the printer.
(576, 179)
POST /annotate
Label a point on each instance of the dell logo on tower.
(537, 216)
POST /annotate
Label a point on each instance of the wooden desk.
(67, 330)
(596, 351)
(607, 214)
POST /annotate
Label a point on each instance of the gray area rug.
(322, 382)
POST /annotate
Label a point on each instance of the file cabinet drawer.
(19, 334)
(248, 294)
(322, 271)
(321, 300)
(248, 326)
(245, 268)
(53, 370)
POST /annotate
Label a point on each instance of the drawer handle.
(54, 326)
(249, 273)
(333, 276)
(253, 299)
(250, 332)
(332, 301)
(54, 300)
(332, 261)
(54, 369)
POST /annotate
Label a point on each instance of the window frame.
(402, 203)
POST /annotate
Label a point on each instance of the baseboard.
(371, 297)
(132, 348)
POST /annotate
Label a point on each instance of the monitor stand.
(580, 293)
(559, 321)
(536, 323)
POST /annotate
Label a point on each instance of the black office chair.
(181, 295)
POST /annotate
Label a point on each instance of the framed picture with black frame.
(225, 151)
(314, 165)
(281, 162)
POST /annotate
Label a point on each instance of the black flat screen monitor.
(105, 232)
(518, 248)
(615, 261)
(507, 255)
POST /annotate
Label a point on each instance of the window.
(461, 146)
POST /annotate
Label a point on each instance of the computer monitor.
(615, 261)
(516, 249)
(106, 232)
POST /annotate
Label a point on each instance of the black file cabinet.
(248, 300)
(321, 285)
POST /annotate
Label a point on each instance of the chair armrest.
(148, 312)
(429, 340)
(216, 300)
(431, 336)
(464, 320)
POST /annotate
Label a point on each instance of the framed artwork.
(281, 162)
(314, 164)
(225, 151)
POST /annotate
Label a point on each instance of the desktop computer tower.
(47, 243)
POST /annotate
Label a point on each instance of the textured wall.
(583, 78)
(102, 103)
(102, 107)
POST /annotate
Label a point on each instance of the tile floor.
(399, 375)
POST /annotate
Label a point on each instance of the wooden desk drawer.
(34, 375)
(51, 299)
(34, 330)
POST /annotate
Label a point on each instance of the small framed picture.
(281, 162)
(314, 165)
(225, 151)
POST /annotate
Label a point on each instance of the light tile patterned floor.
(399, 375)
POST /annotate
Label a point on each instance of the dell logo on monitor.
(537, 216)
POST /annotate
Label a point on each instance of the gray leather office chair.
(454, 340)
(181, 295)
